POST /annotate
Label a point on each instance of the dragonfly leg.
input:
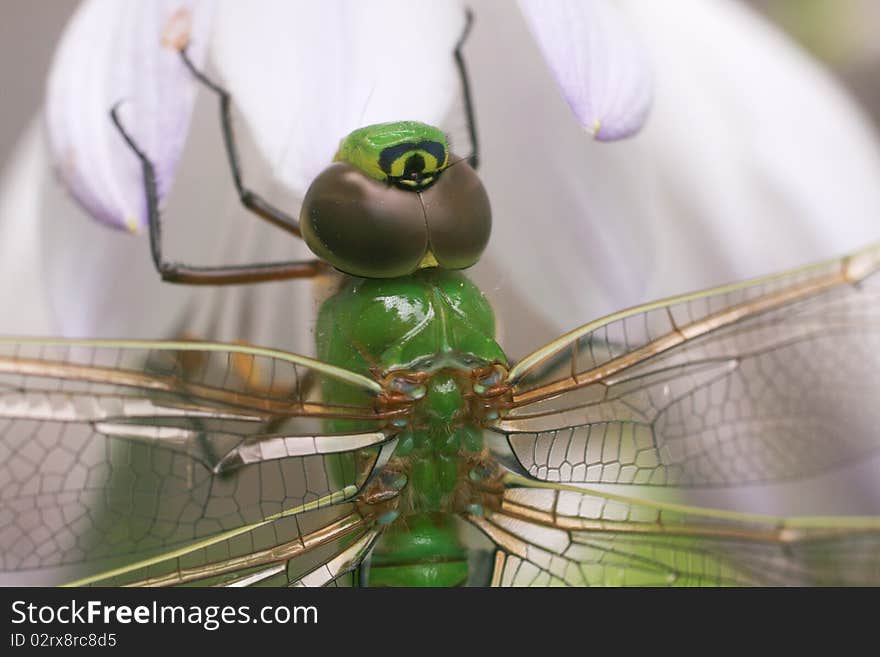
(250, 199)
(223, 275)
(466, 89)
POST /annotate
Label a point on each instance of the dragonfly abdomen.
(421, 549)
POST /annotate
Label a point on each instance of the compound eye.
(459, 217)
(362, 226)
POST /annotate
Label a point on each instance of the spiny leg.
(474, 159)
(250, 199)
(224, 275)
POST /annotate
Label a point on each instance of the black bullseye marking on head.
(415, 165)
(390, 155)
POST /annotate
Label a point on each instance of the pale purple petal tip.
(126, 53)
(597, 61)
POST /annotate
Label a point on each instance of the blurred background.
(841, 33)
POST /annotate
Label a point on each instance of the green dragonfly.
(411, 451)
(172, 463)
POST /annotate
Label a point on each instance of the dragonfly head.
(396, 200)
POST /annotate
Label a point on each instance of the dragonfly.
(411, 451)
(232, 464)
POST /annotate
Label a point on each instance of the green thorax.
(393, 150)
(438, 324)
(390, 324)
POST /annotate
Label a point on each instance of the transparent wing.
(113, 452)
(313, 545)
(585, 538)
(763, 381)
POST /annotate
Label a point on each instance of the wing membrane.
(768, 380)
(296, 547)
(111, 452)
(586, 538)
(344, 563)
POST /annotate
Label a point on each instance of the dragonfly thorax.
(440, 469)
(438, 415)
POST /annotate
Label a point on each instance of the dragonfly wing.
(113, 452)
(301, 546)
(344, 563)
(586, 538)
(763, 381)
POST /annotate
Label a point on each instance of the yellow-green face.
(407, 153)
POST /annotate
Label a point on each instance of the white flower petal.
(753, 162)
(123, 52)
(67, 275)
(764, 163)
(597, 60)
(22, 278)
(304, 75)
